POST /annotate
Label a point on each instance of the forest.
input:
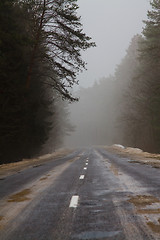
(40, 55)
(41, 42)
(125, 108)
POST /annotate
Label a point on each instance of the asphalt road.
(90, 194)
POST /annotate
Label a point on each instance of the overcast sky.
(111, 24)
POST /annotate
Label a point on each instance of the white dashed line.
(86, 163)
(74, 202)
(85, 168)
(81, 177)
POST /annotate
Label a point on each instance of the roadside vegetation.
(40, 44)
(125, 108)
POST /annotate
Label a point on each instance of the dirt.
(11, 168)
(141, 203)
(114, 169)
(143, 200)
(20, 196)
(44, 178)
(149, 211)
(154, 227)
(1, 218)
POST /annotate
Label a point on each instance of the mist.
(114, 91)
(93, 115)
(43, 59)
(111, 24)
(117, 108)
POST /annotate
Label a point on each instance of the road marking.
(81, 177)
(86, 163)
(74, 202)
(85, 168)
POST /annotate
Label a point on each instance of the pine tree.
(59, 29)
(40, 43)
(150, 71)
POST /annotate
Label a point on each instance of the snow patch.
(118, 145)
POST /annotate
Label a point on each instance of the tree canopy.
(40, 56)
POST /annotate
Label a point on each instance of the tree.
(149, 73)
(141, 112)
(60, 31)
(127, 117)
(38, 63)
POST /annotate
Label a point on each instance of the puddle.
(91, 204)
(97, 211)
(20, 196)
(102, 192)
(95, 235)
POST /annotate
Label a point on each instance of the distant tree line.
(40, 44)
(125, 108)
(141, 96)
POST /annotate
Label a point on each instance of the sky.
(111, 24)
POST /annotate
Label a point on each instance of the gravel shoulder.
(136, 155)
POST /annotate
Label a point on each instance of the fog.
(111, 24)
(97, 117)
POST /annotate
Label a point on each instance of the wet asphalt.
(103, 210)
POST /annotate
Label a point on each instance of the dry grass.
(11, 168)
(114, 169)
(1, 224)
(137, 155)
(155, 227)
(20, 196)
(44, 178)
(74, 159)
(149, 211)
(143, 200)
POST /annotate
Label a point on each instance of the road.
(89, 194)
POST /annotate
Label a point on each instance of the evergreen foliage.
(150, 73)
(140, 116)
(144, 93)
(40, 43)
